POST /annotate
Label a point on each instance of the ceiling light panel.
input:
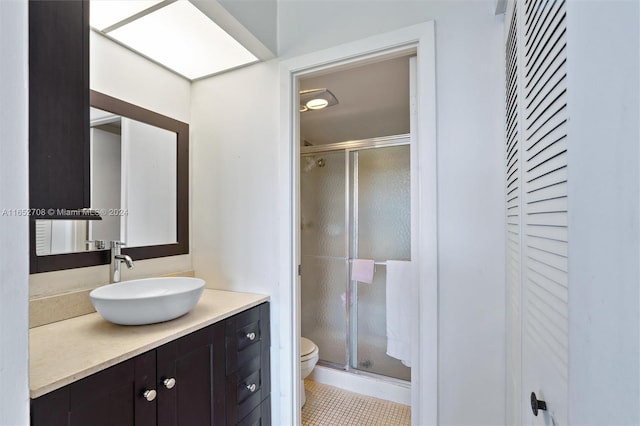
(105, 13)
(185, 40)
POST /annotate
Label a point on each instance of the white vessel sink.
(147, 301)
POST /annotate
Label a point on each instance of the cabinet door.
(112, 397)
(59, 104)
(51, 409)
(190, 375)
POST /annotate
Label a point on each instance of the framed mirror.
(139, 186)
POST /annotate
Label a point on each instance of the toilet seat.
(308, 359)
(308, 349)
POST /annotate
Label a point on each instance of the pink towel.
(362, 270)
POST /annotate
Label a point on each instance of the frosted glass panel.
(372, 341)
(323, 313)
(383, 196)
(324, 269)
(381, 231)
(322, 185)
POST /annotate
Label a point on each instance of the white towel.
(400, 318)
(362, 270)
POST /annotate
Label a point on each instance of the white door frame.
(424, 375)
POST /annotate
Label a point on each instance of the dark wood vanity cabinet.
(114, 396)
(58, 104)
(204, 378)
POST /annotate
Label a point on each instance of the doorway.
(420, 40)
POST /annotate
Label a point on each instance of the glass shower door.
(380, 212)
(355, 203)
(324, 250)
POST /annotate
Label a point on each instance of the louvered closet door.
(513, 188)
(544, 177)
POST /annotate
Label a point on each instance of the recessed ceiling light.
(317, 103)
(316, 99)
(182, 38)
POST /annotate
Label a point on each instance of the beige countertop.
(63, 352)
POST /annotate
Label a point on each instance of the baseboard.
(364, 385)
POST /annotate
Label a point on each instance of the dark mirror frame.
(57, 262)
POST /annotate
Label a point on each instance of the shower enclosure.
(355, 203)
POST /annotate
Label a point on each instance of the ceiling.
(178, 35)
(373, 101)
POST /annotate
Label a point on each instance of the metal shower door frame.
(351, 232)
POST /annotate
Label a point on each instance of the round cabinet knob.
(251, 336)
(537, 404)
(149, 395)
(169, 383)
(252, 387)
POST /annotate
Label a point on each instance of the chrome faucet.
(116, 258)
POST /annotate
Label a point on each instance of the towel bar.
(375, 262)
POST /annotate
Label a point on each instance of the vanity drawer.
(245, 391)
(248, 361)
(249, 334)
(247, 337)
(260, 416)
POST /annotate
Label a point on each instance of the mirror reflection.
(133, 188)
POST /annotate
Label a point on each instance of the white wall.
(604, 196)
(118, 72)
(236, 174)
(14, 231)
(471, 251)
(235, 167)
(470, 84)
(235, 177)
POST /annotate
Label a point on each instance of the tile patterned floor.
(331, 406)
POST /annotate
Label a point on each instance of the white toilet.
(308, 360)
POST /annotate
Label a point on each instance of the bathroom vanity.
(210, 366)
